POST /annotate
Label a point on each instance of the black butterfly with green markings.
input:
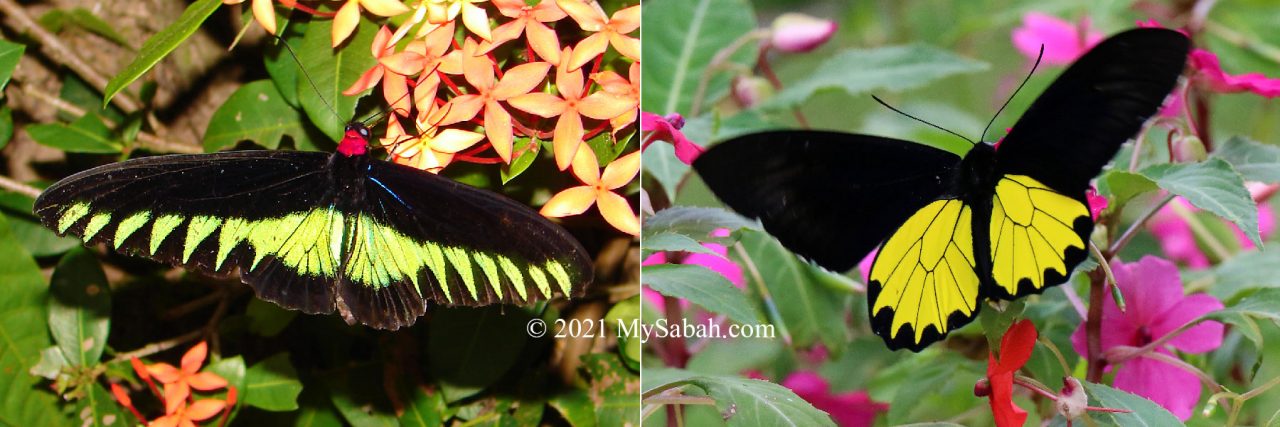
(953, 231)
(374, 241)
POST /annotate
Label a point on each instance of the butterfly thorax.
(355, 141)
(976, 177)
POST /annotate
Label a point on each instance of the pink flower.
(1152, 288)
(1210, 72)
(1178, 241)
(1062, 40)
(668, 129)
(1097, 203)
(847, 409)
(718, 263)
(799, 33)
(864, 266)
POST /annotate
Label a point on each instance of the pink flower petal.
(864, 266)
(1211, 72)
(718, 264)
(1150, 286)
(1201, 338)
(1061, 39)
(1175, 237)
(1166, 385)
(847, 409)
(1097, 203)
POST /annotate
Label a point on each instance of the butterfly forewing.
(322, 233)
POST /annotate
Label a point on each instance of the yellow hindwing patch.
(1031, 229)
(925, 271)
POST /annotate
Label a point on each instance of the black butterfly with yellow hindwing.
(953, 231)
(372, 240)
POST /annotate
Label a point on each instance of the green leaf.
(38, 239)
(1254, 160)
(159, 45)
(1264, 304)
(1249, 270)
(272, 384)
(612, 389)
(703, 287)
(668, 241)
(810, 312)
(695, 223)
(280, 63)
(10, 54)
(6, 125)
(1145, 412)
(57, 19)
(1211, 185)
(79, 93)
(576, 407)
(626, 312)
(233, 370)
(529, 149)
(680, 39)
(86, 135)
(1121, 186)
(256, 112)
(472, 347)
(857, 71)
(22, 324)
(360, 397)
(424, 409)
(99, 409)
(80, 310)
(267, 319)
(751, 402)
(332, 71)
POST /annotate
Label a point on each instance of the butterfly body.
(1000, 222)
(321, 233)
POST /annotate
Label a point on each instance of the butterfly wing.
(204, 212)
(828, 196)
(1040, 221)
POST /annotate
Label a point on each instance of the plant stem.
(149, 140)
(1135, 227)
(717, 62)
(18, 187)
(1093, 326)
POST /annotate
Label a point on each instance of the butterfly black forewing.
(1078, 124)
(829, 196)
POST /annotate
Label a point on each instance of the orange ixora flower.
(518, 80)
(598, 190)
(178, 382)
(391, 70)
(187, 415)
(530, 21)
(344, 23)
(608, 30)
(628, 88)
(263, 11)
(571, 105)
(430, 150)
(473, 17)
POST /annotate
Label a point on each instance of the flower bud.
(798, 33)
(750, 90)
(1188, 149)
(676, 120)
(982, 388)
(1072, 400)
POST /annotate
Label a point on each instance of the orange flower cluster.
(181, 407)
(507, 76)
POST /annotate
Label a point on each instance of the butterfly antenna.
(886, 105)
(309, 80)
(1015, 92)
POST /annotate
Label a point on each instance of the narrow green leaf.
(6, 125)
(1145, 412)
(811, 312)
(56, 20)
(10, 54)
(696, 223)
(272, 384)
(159, 45)
(751, 402)
(668, 241)
(332, 71)
(528, 147)
(86, 135)
(22, 323)
(576, 407)
(893, 68)
(360, 397)
(255, 112)
(703, 287)
(1254, 160)
(1211, 185)
(472, 347)
(680, 39)
(424, 409)
(80, 310)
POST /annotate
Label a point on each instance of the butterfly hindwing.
(1037, 236)
(924, 281)
(829, 196)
